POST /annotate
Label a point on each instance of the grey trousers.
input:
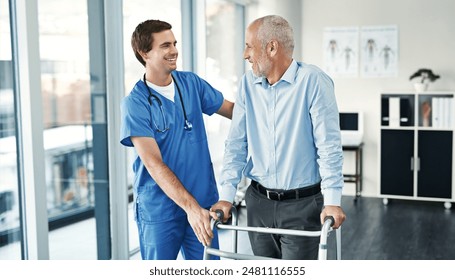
(299, 214)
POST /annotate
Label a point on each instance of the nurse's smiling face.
(162, 58)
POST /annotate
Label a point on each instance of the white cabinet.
(417, 146)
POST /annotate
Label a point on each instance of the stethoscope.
(187, 126)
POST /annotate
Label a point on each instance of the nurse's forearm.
(150, 155)
(198, 217)
(172, 186)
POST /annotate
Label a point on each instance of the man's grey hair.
(274, 27)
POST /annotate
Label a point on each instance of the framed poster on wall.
(379, 51)
(341, 51)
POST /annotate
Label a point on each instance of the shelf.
(399, 127)
(440, 110)
(418, 110)
(397, 110)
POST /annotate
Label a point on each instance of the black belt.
(289, 194)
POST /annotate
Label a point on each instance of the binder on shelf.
(394, 111)
(436, 112)
(448, 115)
(451, 113)
(406, 114)
(445, 112)
(384, 111)
(442, 112)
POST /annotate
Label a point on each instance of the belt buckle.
(278, 194)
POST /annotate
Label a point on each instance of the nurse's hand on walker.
(199, 219)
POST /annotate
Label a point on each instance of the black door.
(435, 174)
(397, 149)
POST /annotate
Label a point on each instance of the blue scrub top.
(185, 152)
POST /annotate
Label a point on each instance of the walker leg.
(338, 241)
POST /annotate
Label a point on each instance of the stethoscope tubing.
(187, 125)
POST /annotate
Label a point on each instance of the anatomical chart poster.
(379, 51)
(341, 51)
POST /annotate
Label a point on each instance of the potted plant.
(426, 76)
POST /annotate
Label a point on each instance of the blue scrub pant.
(163, 241)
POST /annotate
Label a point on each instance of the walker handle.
(332, 220)
(219, 214)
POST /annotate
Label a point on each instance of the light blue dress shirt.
(286, 135)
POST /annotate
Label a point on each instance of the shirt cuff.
(227, 193)
(332, 196)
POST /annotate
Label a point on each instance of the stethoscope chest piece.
(188, 125)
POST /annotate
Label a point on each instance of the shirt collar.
(288, 76)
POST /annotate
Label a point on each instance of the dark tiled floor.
(401, 230)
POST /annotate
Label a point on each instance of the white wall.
(426, 39)
(426, 31)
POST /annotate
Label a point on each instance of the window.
(224, 66)
(9, 201)
(69, 133)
